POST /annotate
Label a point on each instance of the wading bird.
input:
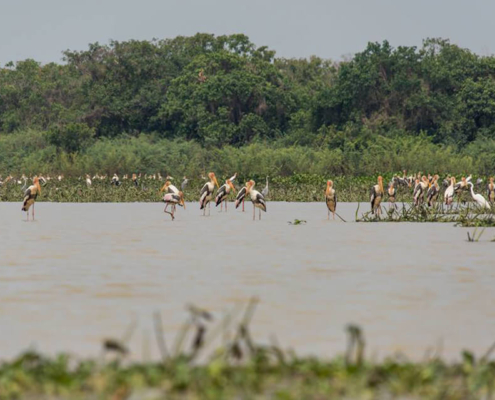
(30, 196)
(491, 191)
(135, 180)
(223, 193)
(433, 191)
(265, 190)
(420, 190)
(173, 199)
(206, 193)
(478, 198)
(330, 199)
(169, 188)
(256, 197)
(241, 197)
(392, 192)
(184, 183)
(88, 181)
(448, 196)
(376, 197)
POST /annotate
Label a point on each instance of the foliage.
(383, 110)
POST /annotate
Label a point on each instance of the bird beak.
(216, 182)
(232, 187)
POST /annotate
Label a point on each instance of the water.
(83, 272)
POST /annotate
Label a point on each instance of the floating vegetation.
(461, 216)
(242, 368)
(297, 222)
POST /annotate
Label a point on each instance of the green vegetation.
(243, 368)
(192, 104)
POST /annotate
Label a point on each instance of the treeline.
(196, 103)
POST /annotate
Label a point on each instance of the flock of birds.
(172, 198)
(425, 189)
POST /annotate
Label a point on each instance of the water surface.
(83, 272)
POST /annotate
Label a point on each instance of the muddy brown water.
(83, 272)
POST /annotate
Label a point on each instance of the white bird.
(173, 199)
(449, 192)
(265, 191)
(256, 197)
(232, 178)
(478, 198)
(88, 181)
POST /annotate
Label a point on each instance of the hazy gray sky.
(41, 29)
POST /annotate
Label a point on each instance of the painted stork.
(377, 193)
(478, 198)
(491, 191)
(433, 191)
(256, 197)
(420, 190)
(88, 181)
(32, 192)
(241, 197)
(173, 199)
(135, 180)
(206, 193)
(169, 188)
(330, 199)
(223, 193)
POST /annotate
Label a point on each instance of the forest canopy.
(224, 92)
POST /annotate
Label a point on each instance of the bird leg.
(221, 206)
(33, 212)
(260, 214)
(225, 205)
(328, 216)
(209, 208)
(333, 212)
(242, 205)
(165, 210)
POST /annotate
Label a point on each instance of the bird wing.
(240, 196)
(222, 192)
(261, 200)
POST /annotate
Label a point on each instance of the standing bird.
(265, 190)
(491, 191)
(184, 183)
(206, 193)
(330, 199)
(173, 199)
(240, 197)
(377, 193)
(392, 192)
(169, 188)
(223, 193)
(433, 191)
(448, 196)
(135, 180)
(256, 197)
(115, 180)
(30, 196)
(420, 190)
(478, 198)
(88, 181)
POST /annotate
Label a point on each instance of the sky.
(42, 29)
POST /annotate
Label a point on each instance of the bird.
(265, 190)
(478, 198)
(115, 180)
(184, 183)
(135, 180)
(88, 181)
(173, 199)
(206, 193)
(32, 192)
(433, 191)
(256, 197)
(491, 191)
(223, 193)
(241, 194)
(169, 188)
(330, 199)
(419, 190)
(233, 177)
(376, 196)
(392, 192)
(449, 192)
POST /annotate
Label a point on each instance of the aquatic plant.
(242, 368)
